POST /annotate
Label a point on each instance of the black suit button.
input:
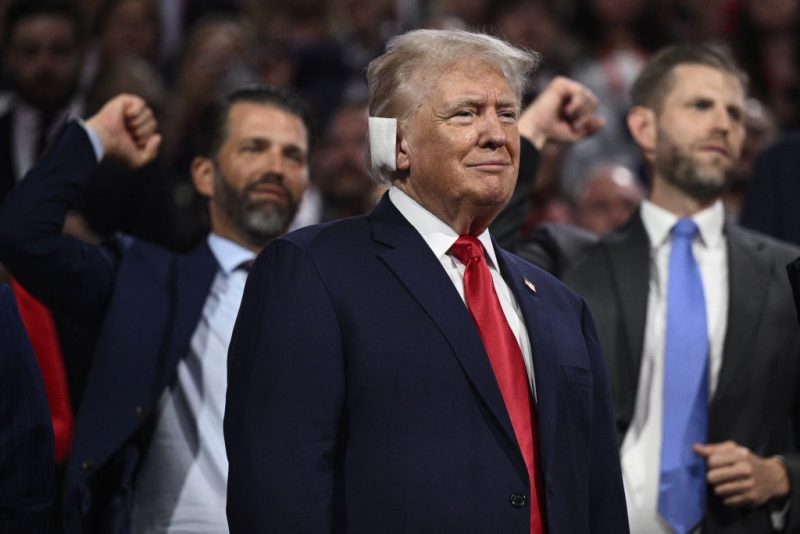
(139, 412)
(518, 500)
(87, 465)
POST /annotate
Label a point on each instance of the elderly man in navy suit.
(399, 372)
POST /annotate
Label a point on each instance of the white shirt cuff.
(97, 146)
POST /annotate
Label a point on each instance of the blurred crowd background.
(181, 54)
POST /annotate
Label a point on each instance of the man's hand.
(740, 477)
(127, 129)
(562, 113)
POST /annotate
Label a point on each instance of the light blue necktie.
(682, 486)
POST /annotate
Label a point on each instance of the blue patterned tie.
(682, 486)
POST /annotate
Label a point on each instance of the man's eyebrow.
(477, 101)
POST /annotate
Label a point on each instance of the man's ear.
(203, 176)
(402, 159)
(642, 123)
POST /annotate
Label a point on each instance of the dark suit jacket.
(756, 401)
(140, 301)
(7, 174)
(361, 399)
(27, 458)
(770, 201)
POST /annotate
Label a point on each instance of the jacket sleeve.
(68, 275)
(284, 411)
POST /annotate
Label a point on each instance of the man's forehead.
(690, 79)
(256, 118)
(473, 85)
(42, 24)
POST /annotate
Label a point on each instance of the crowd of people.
(150, 151)
(178, 56)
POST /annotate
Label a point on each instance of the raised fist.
(127, 130)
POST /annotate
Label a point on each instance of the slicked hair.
(212, 131)
(656, 79)
(394, 77)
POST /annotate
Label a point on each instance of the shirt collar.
(436, 233)
(229, 255)
(659, 222)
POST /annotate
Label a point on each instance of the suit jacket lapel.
(192, 278)
(413, 263)
(745, 267)
(544, 353)
(629, 255)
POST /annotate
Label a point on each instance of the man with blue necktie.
(695, 319)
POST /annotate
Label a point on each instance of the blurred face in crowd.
(699, 131)
(760, 131)
(44, 60)
(608, 199)
(258, 176)
(773, 15)
(461, 145)
(131, 28)
(343, 174)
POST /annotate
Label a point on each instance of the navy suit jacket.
(361, 398)
(27, 458)
(142, 303)
(770, 200)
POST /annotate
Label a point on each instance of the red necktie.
(505, 356)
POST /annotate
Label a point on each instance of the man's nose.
(493, 133)
(274, 162)
(722, 120)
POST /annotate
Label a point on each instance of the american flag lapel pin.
(529, 285)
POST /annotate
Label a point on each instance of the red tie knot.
(467, 248)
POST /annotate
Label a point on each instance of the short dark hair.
(214, 119)
(655, 80)
(20, 10)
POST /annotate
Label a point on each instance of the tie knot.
(685, 228)
(245, 266)
(467, 248)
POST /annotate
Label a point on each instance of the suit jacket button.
(139, 413)
(518, 500)
(87, 465)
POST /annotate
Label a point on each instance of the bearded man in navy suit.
(365, 393)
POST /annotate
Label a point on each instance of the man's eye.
(508, 116)
(296, 157)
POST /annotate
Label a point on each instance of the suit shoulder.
(780, 251)
(334, 237)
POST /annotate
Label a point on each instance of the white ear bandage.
(382, 139)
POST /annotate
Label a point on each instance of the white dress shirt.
(440, 237)
(182, 482)
(641, 448)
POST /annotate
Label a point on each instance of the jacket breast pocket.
(579, 376)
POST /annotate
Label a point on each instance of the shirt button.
(518, 500)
